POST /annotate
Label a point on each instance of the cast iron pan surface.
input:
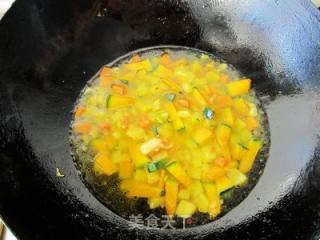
(48, 51)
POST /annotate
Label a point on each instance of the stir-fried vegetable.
(176, 131)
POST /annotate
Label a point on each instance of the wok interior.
(282, 59)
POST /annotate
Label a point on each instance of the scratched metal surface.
(49, 49)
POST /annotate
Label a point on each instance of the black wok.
(49, 49)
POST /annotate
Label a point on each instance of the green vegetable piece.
(170, 96)
(155, 166)
(124, 81)
(155, 130)
(208, 113)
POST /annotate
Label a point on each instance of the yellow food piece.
(223, 184)
(171, 197)
(213, 199)
(143, 190)
(180, 174)
(156, 202)
(249, 156)
(185, 209)
(239, 87)
(137, 157)
(104, 165)
(125, 169)
(178, 131)
(202, 135)
(174, 116)
(114, 101)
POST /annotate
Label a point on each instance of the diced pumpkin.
(196, 189)
(226, 117)
(223, 184)
(201, 135)
(144, 190)
(198, 98)
(104, 166)
(171, 196)
(79, 111)
(156, 202)
(174, 116)
(223, 133)
(213, 173)
(222, 101)
(170, 83)
(239, 87)
(249, 156)
(185, 209)
(125, 169)
(252, 123)
(202, 203)
(179, 173)
(140, 175)
(152, 177)
(114, 101)
(141, 65)
(184, 194)
(241, 107)
(137, 157)
(237, 178)
(213, 198)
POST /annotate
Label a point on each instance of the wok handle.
(1, 230)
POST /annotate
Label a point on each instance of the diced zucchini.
(202, 203)
(184, 194)
(227, 116)
(140, 175)
(114, 101)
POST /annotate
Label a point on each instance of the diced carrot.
(119, 89)
(144, 122)
(184, 102)
(83, 128)
(136, 58)
(105, 128)
(252, 123)
(239, 87)
(79, 111)
(105, 77)
(221, 162)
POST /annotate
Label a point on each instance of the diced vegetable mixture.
(177, 130)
